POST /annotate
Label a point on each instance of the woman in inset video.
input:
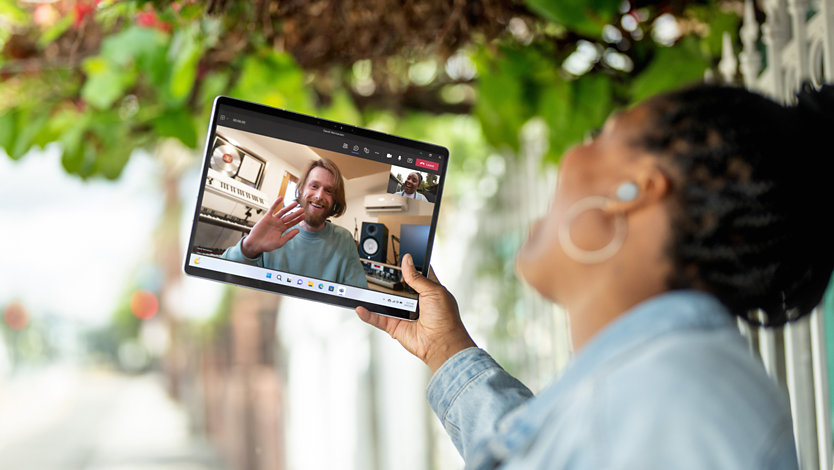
(411, 185)
(686, 212)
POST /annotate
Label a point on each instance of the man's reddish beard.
(315, 220)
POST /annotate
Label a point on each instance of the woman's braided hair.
(750, 192)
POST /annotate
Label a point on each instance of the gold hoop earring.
(581, 255)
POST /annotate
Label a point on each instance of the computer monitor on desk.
(414, 239)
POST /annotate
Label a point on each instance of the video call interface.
(388, 208)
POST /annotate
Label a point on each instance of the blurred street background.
(110, 358)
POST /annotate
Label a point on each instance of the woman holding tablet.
(685, 212)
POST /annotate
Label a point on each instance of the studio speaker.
(373, 243)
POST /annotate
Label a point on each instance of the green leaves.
(106, 81)
(135, 60)
(586, 17)
(177, 123)
(157, 80)
(572, 109)
(274, 78)
(12, 13)
(213, 84)
(135, 46)
(671, 68)
(136, 89)
(19, 129)
(93, 143)
(184, 55)
(342, 109)
(125, 57)
(501, 107)
(516, 85)
(719, 22)
(55, 31)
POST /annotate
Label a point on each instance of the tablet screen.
(341, 204)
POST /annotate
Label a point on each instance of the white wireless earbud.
(627, 191)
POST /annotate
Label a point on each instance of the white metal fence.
(797, 37)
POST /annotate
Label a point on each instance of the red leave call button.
(427, 164)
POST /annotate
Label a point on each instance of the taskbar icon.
(312, 284)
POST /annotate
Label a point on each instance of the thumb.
(413, 278)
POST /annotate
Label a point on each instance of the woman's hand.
(438, 334)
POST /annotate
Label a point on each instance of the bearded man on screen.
(305, 242)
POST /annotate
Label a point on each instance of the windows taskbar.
(302, 283)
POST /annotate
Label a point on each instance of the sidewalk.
(61, 418)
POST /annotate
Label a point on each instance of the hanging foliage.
(102, 78)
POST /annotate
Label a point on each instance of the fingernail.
(409, 260)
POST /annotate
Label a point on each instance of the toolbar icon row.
(311, 284)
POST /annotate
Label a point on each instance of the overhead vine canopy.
(102, 78)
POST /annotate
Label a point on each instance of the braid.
(745, 196)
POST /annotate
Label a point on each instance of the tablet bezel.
(347, 129)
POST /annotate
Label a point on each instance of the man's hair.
(750, 186)
(339, 201)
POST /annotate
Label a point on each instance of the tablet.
(302, 206)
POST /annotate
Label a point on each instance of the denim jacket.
(670, 384)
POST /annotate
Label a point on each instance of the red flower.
(81, 10)
(148, 19)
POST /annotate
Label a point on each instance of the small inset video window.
(413, 184)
